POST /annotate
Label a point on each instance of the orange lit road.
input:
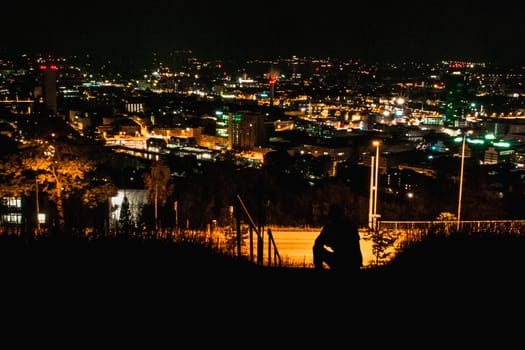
(295, 245)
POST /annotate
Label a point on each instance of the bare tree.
(158, 186)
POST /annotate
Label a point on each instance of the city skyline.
(426, 31)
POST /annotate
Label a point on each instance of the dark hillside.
(458, 259)
(124, 290)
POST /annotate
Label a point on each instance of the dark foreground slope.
(439, 292)
(442, 262)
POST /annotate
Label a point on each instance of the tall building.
(49, 87)
(226, 127)
(457, 97)
(251, 131)
(244, 130)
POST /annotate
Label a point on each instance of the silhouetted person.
(337, 245)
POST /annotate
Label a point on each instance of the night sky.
(418, 30)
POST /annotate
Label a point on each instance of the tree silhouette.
(158, 186)
(125, 219)
(99, 192)
(96, 196)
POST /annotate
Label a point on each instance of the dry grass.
(436, 259)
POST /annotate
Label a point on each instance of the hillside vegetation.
(475, 255)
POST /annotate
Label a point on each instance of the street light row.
(374, 185)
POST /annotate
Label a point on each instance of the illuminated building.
(457, 95)
(244, 130)
(11, 217)
(225, 126)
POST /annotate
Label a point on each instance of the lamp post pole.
(176, 209)
(37, 208)
(461, 179)
(376, 177)
(372, 204)
(371, 199)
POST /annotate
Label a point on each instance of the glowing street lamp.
(376, 143)
(461, 176)
(371, 197)
(374, 171)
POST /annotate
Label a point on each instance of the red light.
(53, 67)
(43, 67)
(456, 65)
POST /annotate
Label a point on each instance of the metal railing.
(273, 258)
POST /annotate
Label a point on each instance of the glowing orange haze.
(295, 245)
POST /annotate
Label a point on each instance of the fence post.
(239, 236)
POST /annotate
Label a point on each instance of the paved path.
(295, 245)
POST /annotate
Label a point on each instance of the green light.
(501, 144)
(237, 118)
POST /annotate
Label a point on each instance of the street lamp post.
(37, 208)
(461, 179)
(374, 176)
(371, 197)
(176, 209)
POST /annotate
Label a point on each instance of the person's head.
(336, 211)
